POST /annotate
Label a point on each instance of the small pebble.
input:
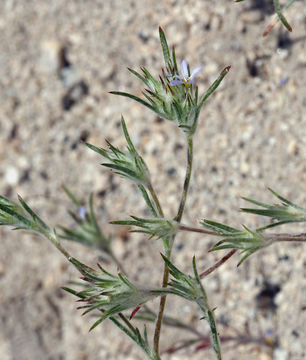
(51, 56)
(12, 176)
(292, 147)
(280, 354)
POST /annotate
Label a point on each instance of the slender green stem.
(155, 356)
(178, 218)
(187, 179)
(156, 201)
(162, 304)
(148, 315)
(56, 242)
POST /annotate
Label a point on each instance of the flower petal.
(195, 71)
(184, 69)
(176, 82)
(82, 212)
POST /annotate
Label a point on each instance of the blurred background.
(58, 60)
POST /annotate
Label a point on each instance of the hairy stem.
(56, 242)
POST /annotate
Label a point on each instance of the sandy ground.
(58, 60)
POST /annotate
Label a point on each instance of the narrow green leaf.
(35, 217)
(73, 292)
(122, 170)
(274, 224)
(136, 98)
(15, 216)
(249, 253)
(285, 201)
(174, 60)
(72, 197)
(97, 323)
(98, 150)
(139, 76)
(150, 80)
(123, 328)
(147, 200)
(274, 213)
(165, 47)
(214, 334)
(127, 137)
(214, 86)
(281, 16)
(220, 228)
(255, 202)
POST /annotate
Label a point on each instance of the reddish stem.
(218, 263)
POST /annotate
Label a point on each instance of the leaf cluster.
(127, 164)
(249, 241)
(109, 293)
(22, 217)
(157, 227)
(191, 288)
(86, 229)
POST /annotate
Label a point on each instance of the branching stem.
(178, 218)
(197, 230)
(218, 263)
(288, 237)
(273, 237)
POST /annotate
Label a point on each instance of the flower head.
(180, 104)
(185, 78)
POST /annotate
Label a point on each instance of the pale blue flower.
(185, 78)
(82, 212)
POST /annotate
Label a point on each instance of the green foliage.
(158, 227)
(280, 15)
(125, 325)
(248, 241)
(191, 288)
(286, 212)
(87, 230)
(23, 217)
(109, 293)
(180, 104)
(129, 165)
